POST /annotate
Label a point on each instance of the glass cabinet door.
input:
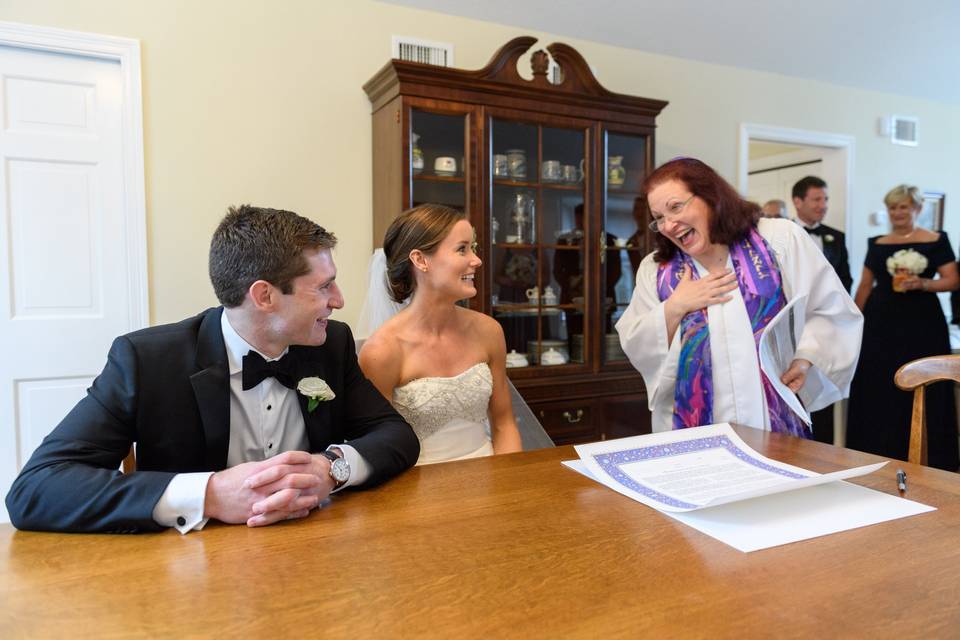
(437, 159)
(538, 265)
(626, 239)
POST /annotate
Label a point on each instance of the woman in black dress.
(903, 321)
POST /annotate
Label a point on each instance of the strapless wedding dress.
(449, 415)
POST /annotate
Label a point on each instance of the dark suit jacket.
(167, 389)
(955, 302)
(835, 251)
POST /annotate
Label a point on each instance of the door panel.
(63, 258)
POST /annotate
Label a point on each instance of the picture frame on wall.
(931, 215)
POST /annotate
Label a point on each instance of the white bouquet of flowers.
(903, 264)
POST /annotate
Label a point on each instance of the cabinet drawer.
(625, 416)
(569, 422)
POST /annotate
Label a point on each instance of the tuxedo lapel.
(308, 364)
(830, 247)
(211, 386)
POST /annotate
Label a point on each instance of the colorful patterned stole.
(760, 284)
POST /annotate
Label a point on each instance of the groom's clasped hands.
(283, 487)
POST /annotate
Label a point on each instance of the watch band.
(330, 455)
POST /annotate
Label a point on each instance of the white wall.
(260, 101)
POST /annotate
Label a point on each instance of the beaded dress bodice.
(449, 415)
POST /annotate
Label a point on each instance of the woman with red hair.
(720, 276)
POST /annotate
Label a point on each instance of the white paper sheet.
(773, 520)
(691, 469)
(778, 344)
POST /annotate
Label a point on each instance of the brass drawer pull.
(571, 419)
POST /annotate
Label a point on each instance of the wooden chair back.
(915, 376)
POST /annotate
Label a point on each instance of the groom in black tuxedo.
(253, 412)
(810, 199)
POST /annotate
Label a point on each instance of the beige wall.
(261, 101)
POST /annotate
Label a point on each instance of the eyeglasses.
(673, 210)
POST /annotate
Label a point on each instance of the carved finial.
(540, 61)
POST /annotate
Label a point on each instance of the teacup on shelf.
(571, 173)
(501, 166)
(551, 357)
(515, 359)
(445, 166)
(549, 296)
(533, 295)
(550, 171)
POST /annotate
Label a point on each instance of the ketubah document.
(708, 478)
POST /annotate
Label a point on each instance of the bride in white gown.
(442, 365)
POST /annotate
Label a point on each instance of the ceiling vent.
(423, 51)
(900, 129)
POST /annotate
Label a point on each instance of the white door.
(63, 254)
(765, 186)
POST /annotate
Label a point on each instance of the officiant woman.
(902, 274)
(720, 273)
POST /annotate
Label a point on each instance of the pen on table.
(901, 480)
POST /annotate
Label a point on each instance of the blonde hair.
(904, 192)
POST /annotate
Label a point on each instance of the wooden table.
(510, 546)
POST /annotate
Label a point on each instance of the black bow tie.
(816, 231)
(256, 369)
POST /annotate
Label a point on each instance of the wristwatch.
(339, 468)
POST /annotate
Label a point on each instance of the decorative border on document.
(611, 462)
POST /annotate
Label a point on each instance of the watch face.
(340, 470)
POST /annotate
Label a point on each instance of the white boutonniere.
(317, 390)
(828, 237)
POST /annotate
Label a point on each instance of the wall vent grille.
(554, 73)
(423, 51)
(903, 130)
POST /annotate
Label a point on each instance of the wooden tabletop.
(508, 546)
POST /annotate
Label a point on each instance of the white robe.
(830, 337)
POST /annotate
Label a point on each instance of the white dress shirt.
(817, 238)
(264, 421)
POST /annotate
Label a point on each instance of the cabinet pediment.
(499, 83)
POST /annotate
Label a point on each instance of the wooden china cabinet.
(548, 171)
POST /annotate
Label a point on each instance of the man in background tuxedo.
(810, 199)
(238, 414)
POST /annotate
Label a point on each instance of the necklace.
(904, 236)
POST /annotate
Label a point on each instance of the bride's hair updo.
(422, 228)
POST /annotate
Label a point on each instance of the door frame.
(125, 51)
(839, 141)
(787, 135)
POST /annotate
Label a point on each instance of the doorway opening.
(772, 159)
